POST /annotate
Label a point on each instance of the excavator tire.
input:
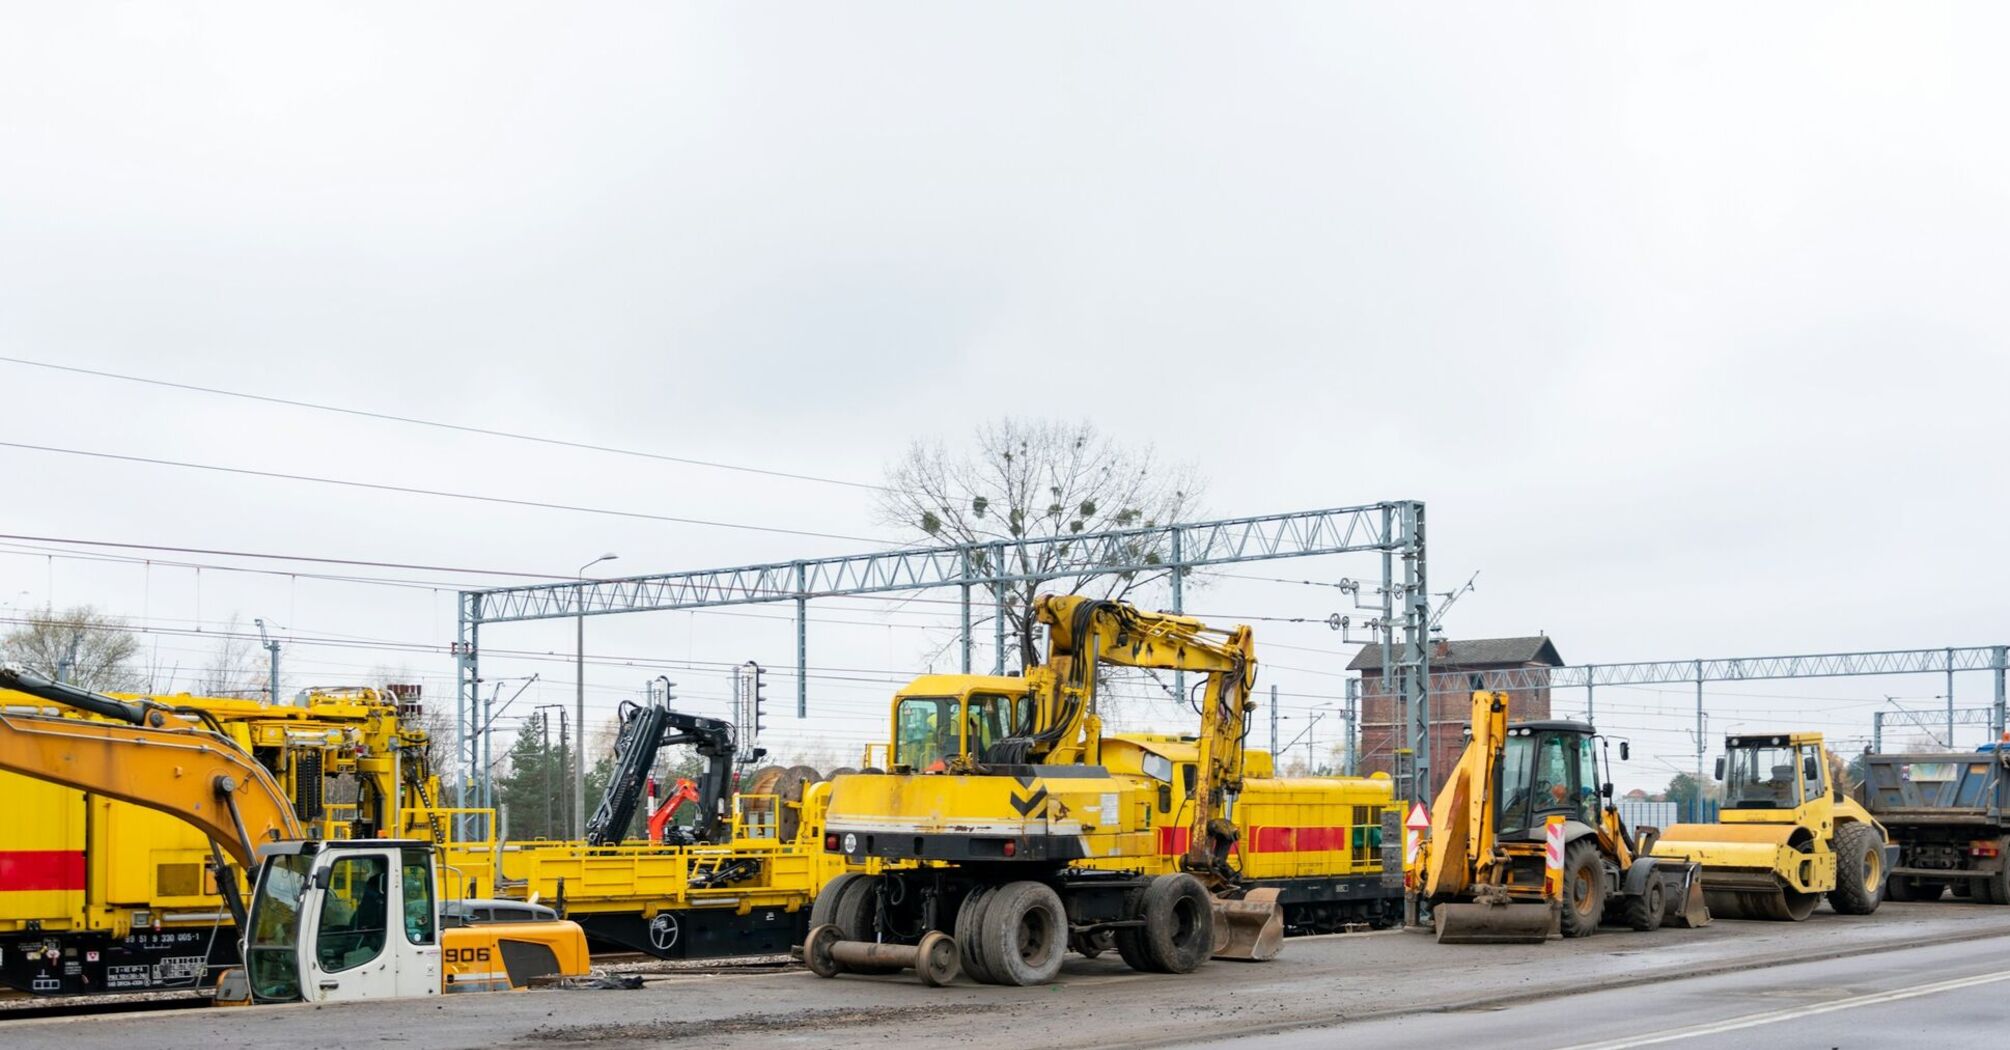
(1179, 923)
(1130, 940)
(1583, 888)
(855, 912)
(1644, 910)
(1859, 870)
(1023, 934)
(825, 904)
(970, 919)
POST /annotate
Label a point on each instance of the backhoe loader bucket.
(1251, 927)
(1682, 896)
(1493, 918)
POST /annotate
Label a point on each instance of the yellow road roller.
(1788, 835)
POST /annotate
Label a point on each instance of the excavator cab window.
(270, 962)
(351, 927)
(993, 717)
(925, 733)
(1545, 773)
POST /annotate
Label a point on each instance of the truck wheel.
(1023, 934)
(1859, 870)
(1179, 923)
(1644, 909)
(1926, 890)
(1899, 888)
(969, 927)
(1998, 885)
(1583, 888)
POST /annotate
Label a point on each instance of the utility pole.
(1353, 727)
(272, 648)
(1273, 727)
(1950, 699)
(1702, 747)
(578, 825)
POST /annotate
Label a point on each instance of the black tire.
(969, 924)
(1644, 910)
(855, 912)
(1023, 934)
(1928, 890)
(1583, 888)
(1900, 888)
(1179, 923)
(1997, 886)
(1859, 870)
(1962, 889)
(825, 905)
(1130, 940)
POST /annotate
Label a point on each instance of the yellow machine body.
(1785, 837)
(510, 956)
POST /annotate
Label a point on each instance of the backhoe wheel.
(1179, 923)
(1859, 870)
(970, 920)
(1644, 910)
(1023, 934)
(1583, 888)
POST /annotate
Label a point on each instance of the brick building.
(1382, 729)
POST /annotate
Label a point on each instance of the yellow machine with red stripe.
(1013, 830)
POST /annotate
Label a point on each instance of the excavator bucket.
(1682, 896)
(1251, 927)
(1493, 918)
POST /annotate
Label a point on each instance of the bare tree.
(1039, 480)
(80, 644)
(235, 666)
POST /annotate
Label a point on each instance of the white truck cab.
(335, 921)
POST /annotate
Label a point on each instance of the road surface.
(1392, 982)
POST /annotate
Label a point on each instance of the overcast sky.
(1686, 321)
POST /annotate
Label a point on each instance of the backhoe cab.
(1524, 840)
(1788, 835)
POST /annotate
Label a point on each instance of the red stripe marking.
(1299, 840)
(1173, 841)
(41, 869)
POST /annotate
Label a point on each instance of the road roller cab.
(1787, 837)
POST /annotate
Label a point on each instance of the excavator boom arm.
(204, 779)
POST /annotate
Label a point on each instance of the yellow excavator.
(327, 920)
(1788, 835)
(1000, 792)
(1525, 841)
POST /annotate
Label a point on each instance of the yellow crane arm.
(185, 772)
(1084, 632)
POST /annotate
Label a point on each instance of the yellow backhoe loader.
(327, 920)
(1001, 791)
(1524, 841)
(1787, 835)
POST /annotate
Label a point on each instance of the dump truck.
(1524, 841)
(1946, 813)
(999, 787)
(326, 921)
(1787, 835)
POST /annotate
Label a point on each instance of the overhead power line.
(415, 491)
(438, 424)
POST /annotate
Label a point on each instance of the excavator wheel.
(970, 919)
(1024, 933)
(1583, 888)
(1859, 870)
(1644, 910)
(855, 911)
(1178, 934)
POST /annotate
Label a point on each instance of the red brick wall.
(1381, 733)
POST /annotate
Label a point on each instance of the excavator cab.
(333, 921)
(931, 731)
(1547, 769)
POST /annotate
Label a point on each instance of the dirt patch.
(740, 1024)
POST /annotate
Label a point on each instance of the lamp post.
(579, 708)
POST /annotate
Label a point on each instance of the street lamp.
(579, 707)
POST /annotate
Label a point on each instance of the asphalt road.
(1949, 995)
(1320, 990)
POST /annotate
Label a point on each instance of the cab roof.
(958, 684)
